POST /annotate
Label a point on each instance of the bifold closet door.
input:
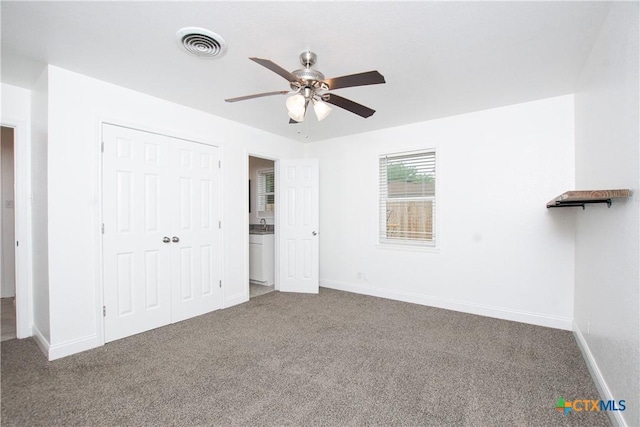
(136, 188)
(161, 240)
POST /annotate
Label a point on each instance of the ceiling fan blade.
(257, 95)
(276, 69)
(348, 105)
(360, 79)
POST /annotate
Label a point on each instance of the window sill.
(408, 248)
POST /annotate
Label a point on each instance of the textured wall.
(78, 104)
(500, 251)
(608, 240)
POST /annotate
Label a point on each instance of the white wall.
(77, 104)
(39, 206)
(256, 164)
(607, 299)
(8, 220)
(501, 252)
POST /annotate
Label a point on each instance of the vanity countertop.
(260, 229)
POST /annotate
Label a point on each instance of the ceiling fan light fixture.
(295, 106)
(295, 103)
(297, 116)
(321, 109)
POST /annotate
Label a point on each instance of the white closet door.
(195, 266)
(161, 243)
(136, 187)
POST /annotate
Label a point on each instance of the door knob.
(314, 233)
(175, 239)
(165, 239)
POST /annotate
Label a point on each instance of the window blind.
(266, 191)
(408, 198)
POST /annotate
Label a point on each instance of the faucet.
(264, 224)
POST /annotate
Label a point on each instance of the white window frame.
(261, 195)
(399, 243)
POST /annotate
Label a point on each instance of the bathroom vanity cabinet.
(261, 259)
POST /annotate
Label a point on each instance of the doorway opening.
(261, 227)
(7, 220)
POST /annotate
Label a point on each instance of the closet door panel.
(197, 270)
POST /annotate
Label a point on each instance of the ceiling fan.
(310, 86)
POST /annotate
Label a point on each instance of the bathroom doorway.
(7, 250)
(261, 227)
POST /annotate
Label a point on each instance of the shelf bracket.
(581, 204)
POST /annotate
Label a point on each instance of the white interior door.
(297, 191)
(161, 243)
(195, 268)
(136, 262)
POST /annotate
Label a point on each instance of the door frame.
(171, 133)
(22, 223)
(276, 214)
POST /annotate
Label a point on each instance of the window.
(408, 198)
(266, 191)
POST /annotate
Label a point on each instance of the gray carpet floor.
(257, 290)
(330, 359)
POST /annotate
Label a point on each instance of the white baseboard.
(235, 300)
(68, 348)
(42, 342)
(603, 389)
(25, 332)
(455, 305)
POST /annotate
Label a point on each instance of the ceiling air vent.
(201, 43)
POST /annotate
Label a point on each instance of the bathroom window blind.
(266, 191)
(408, 198)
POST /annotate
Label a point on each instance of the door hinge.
(220, 283)
(219, 164)
(102, 147)
(17, 243)
(104, 311)
(103, 228)
(219, 224)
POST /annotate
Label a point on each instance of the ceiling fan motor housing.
(310, 77)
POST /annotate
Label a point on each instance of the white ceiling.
(438, 58)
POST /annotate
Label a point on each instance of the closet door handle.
(165, 239)
(175, 239)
